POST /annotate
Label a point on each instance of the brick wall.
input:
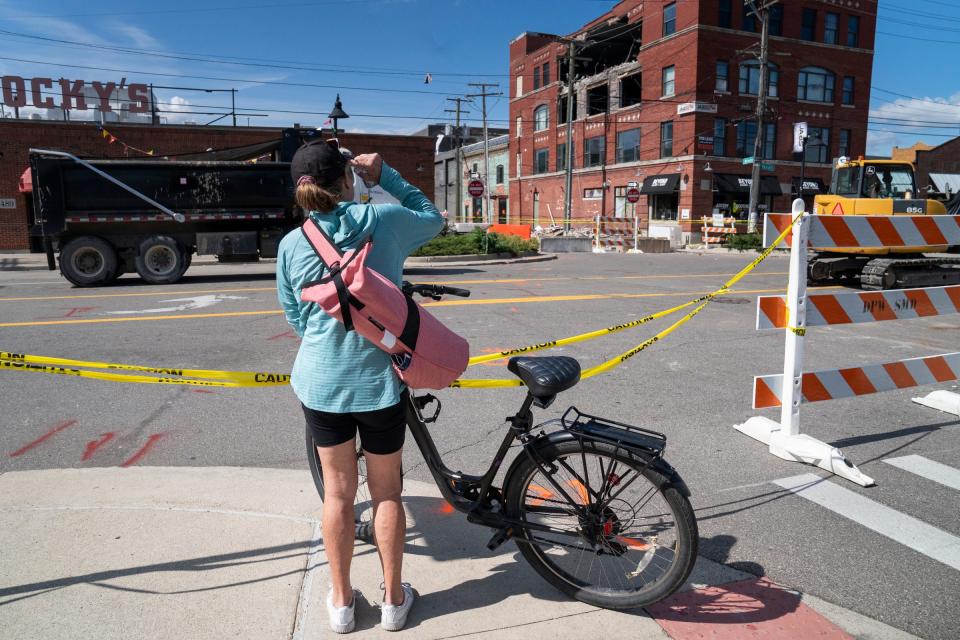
(412, 156)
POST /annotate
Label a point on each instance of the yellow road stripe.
(561, 278)
(444, 303)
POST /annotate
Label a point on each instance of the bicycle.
(563, 497)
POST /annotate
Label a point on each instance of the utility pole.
(486, 144)
(456, 133)
(568, 178)
(761, 10)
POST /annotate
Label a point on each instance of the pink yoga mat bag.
(425, 353)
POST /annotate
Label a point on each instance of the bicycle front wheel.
(616, 539)
(363, 505)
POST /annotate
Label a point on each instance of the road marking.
(46, 436)
(138, 295)
(561, 278)
(929, 469)
(444, 303)
(189, 304)
(908, 531)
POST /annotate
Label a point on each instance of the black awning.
(663, 183)
(735, 183)
(811, 186)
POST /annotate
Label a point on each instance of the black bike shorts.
(381, 432)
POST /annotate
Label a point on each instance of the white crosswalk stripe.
(929, 469)
(931, 541)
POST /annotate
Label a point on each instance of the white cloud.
(138, 37)
(903, 122)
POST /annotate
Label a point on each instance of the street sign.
(799, 133)
(633, 195)
(717, 219)
(475, 188)
(705, 141)
(765, 166)
(748, 160)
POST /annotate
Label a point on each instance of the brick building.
(665, 99)
(938, 168)
(412, 156)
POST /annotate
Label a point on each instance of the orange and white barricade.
(797, 311)
(615, 235)
(713, 234)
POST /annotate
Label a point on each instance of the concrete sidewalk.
(185, 552)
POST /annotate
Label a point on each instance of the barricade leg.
(597, 248)
(945, 401)
(784, 438)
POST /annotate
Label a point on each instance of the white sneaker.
(342, 619)
(393, 617)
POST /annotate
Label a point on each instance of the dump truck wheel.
(88, 261)
(161, 260)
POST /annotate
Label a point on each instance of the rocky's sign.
(46, 93)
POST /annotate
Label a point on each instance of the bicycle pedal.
(501, 536)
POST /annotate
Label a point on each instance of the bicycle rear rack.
(612, 432)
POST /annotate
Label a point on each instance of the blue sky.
(349, 45)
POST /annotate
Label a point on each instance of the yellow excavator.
(882, 188)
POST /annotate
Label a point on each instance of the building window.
(519, 125)
(593, 151)
(725, 18)
(776, 20)
(519, 85)
(723, 75)
(818, 145)
(666, 139)
(669, 81)
(499, 174)
(847, 95)
(853, 31)
(815, 84)
(669, 19)
(831, 28)
(541, 118)
(630, 90)
(592, 194)
(622, 208)
(844, 143)
(746, 139)
(628, 145)
(562, 109)
(546, 73)
(719, 136)
(598, 99)
(541, 160)
(750, 79)
(536, 78)
(749, 20)
(519, 173)
(562, 157)
(808, 27)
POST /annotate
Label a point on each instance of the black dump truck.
(109, 217)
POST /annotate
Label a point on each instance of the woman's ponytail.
(312, 197)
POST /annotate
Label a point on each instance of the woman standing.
(346, 384)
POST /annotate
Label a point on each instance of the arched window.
(815, 84)
(541, 118)
(750, 79)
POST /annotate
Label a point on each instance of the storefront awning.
(811, 186)
(663, 183)
(733, 183)
(26, 182)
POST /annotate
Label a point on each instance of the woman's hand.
(368, 167)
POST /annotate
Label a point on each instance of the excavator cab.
(880, 188)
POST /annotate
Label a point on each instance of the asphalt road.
(693, 386)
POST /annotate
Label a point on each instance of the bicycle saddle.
(546, 376)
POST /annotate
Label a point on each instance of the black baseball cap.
(320, 159)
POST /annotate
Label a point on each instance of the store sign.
(696, 107)
(746, 183)
(659, 183)
(8, 203)
(45, 93)
(705, 141)
(811, 186)
(800, 132)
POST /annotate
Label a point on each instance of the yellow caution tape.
(215, 378)
(66, 366)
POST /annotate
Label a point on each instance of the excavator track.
(892, 273)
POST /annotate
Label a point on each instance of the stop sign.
(475, 188)
(633, 195)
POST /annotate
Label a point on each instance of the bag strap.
(330, 257)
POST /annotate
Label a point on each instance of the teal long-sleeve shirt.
(335, 370)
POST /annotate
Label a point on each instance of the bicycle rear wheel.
(363, 505)
(633, 543)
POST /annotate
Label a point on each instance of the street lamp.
(337, 114)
